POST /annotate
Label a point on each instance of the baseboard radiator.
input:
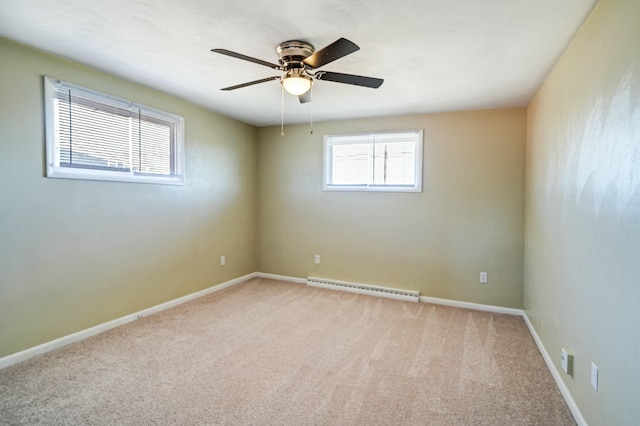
(391, 293)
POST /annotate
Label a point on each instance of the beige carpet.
(273, 353)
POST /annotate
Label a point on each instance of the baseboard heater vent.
(391, 293)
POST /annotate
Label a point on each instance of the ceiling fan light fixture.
(296, 84)
(300, 61)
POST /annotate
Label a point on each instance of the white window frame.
(330, 140)
(55, 170)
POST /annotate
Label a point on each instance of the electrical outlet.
(567, 362)
(317, 259)
(223, 260)
(594, 376)
(483, 277)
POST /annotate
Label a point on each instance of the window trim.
(327, 166)
(53, 168)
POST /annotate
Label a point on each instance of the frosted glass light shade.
(297, 85)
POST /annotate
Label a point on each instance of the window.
(90, 135)
(389, 161)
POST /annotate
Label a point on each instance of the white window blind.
(95, 136)
(389, 161)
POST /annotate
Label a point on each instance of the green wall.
(74, 254)
(469, 217)
(582, 261)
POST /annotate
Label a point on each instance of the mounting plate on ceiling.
(293, 51)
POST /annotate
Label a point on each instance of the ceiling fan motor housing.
(292, 53)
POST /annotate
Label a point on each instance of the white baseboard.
(470, 305)
(100, 328)
(573, 407)
(434, 300)
(281, 278)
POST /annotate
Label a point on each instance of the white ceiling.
(434, 55)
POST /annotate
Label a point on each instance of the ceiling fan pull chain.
(282, 110)
(311, 129)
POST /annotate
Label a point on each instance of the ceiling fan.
(299, 60)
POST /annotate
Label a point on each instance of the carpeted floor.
(267, 352)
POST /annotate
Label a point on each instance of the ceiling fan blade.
(246, 58)
(357, 80)
(336, 50)
(251, 83)
(305, 97)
